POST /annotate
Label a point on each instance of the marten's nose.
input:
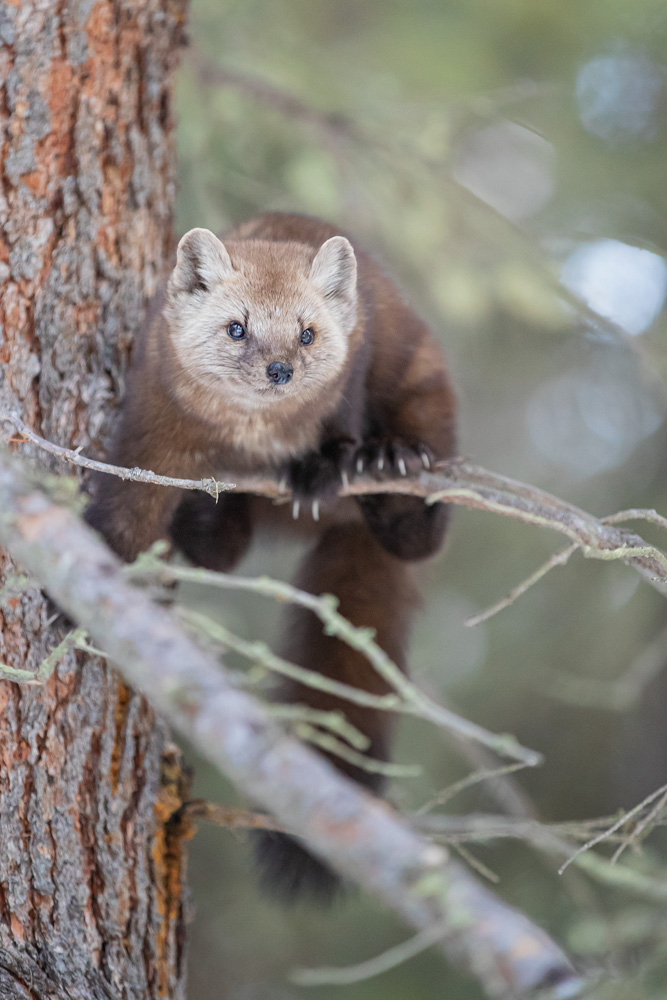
(279, 372)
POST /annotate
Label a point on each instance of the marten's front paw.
(392, 458)
(315, 479)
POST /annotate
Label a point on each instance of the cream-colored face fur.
(275, 291)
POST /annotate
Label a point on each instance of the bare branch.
(625, 818)
(295, 714)
(345, 976)
(484, 774)
(226, 816)
(556, 838)
(330, 745)
(642, 827)
(495, 943)
(72, 457)
(457, 482)
(476, 488)
(477, 865)
(558, 559)
(636, 514)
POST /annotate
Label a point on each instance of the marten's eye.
(307, 336)
(236, 330)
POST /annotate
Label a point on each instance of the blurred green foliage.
(407, 122)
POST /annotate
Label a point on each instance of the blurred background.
(508, 161)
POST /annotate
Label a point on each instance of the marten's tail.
(288, 871)
(375, 590)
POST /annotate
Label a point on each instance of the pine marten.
(284, 350)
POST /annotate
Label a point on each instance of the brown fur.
(372, 387)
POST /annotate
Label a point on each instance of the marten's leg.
(408, 430)
(405, 526)
(374, 589)
(130, 516)
(210, 534)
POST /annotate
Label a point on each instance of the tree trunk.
(91, 863)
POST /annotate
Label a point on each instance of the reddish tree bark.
(91, 864)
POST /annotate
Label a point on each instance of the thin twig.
(509, 796)
(477, 865)
(228, 817)
(484, 774)
(345, 976)
(614, 827)
(482, 490)
(636, 514)
(554, 838)
(416, 702)
(330, 745)
(558, 559)
(73, 457)
(336, 722)
(259, 652)
(642, 825)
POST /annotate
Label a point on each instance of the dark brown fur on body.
(371, 391)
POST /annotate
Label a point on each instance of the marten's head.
(255, 322)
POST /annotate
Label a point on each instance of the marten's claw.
(316, 510)
(295, 510)
(393, 457)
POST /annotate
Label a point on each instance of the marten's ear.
(334, 273)
(201, 262)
